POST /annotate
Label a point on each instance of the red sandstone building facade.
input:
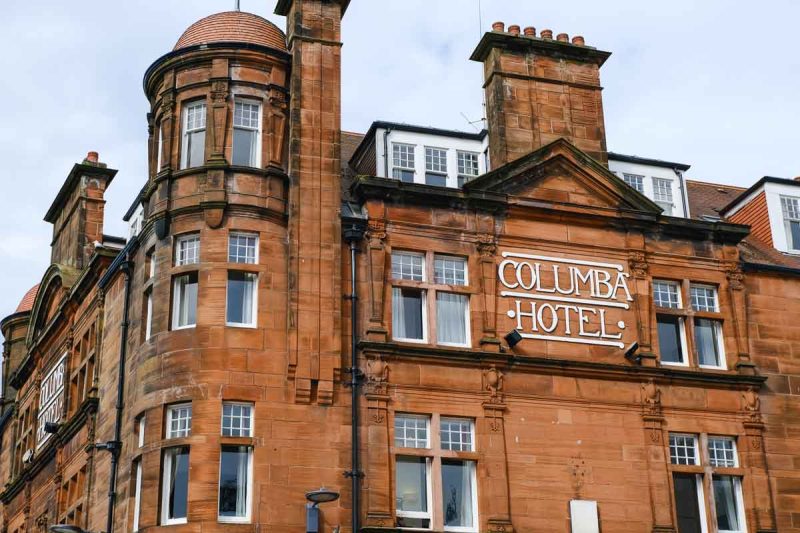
(507, 331)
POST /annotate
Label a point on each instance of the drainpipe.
(353, 233)
(683, 192)
(114, 447)
(386, 133)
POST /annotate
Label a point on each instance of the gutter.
(679, 173)
(386, 133)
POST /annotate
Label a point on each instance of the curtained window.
(184, 301)
(175, 485)
(241, 299)
(194, 135)
(234, 483)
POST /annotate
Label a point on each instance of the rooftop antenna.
(483, 93)
(238, 6)
(471, 122)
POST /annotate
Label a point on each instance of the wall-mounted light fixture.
(631, 355)
(316, 497)
(513, 338)
(51, 427)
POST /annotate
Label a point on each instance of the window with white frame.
(662, 194)
(403, 162)
(435, 452)
(179, 421)
(235, 483)
(436, 166)
(148, 319)
(247, 133)
(237, 419)
(670, 326)
(468, 168)
(242, 299)
(137, 493)
(194, 135)
(140, 426)
(707, 327)
(184, 301)
(150, 260)
(445, 299)
(174, 485)
(693, 458)
(791, 218)
(160, 148)
(187, 249)
(634, 180)
(243, 248)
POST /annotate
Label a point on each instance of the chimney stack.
(540, 89)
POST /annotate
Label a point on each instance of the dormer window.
(403, 162)
(436, 166)
(662, 194)
(194, 135)
(467, 167)
(247, 133)
(791, 218)
(634, 180)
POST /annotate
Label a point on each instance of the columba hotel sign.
(564, 299)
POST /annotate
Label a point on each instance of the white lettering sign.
(563, 299)
(51, 400)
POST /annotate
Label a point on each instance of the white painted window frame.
(473, 465)
(429, 493)
(253, 305)
(166, 481)
(177, 296)
(787, 220)
(180, 240)
(137, 495)
(249, 502)
(148, 328)
(252, 418)
(186, 132)
(258, 131)
(245, 234)
(170, 415)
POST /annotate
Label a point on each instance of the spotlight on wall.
(51, 427)
(513, 338)
(316, 497)
(65, 528)
(631, 355)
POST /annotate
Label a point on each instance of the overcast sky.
(710, 83)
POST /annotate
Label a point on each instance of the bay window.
(791, 219)
(194, 135)
(403, 162)
(436, 166)
(247, 133)
(705, 469)
(435, 286)
(435, 451)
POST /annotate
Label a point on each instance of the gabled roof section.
(562, 173)
(757, 185)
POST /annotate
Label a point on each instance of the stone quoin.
(511, 330)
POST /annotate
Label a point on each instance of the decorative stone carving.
(637, 261)
(751, 404)
(376, 237)
(735, 276)
(377, 375)
(651, 398)
(487, 248)
(493, 380)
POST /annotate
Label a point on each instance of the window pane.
(794, 235)
(665, 294)
(410, 431)
(704, 298)
(245, 114)
(705, 337)
(456, 434)
(403, 156)
(241, 291)
(436, 160)
(468, 164)
(726, 503)
(403, 175)
(234, 470)
(177, 477)
(196, 149)
(451, 318)
(686, 503)
(149, 318)
(683, 449)
(244, 147)
(236, 420)
(180, 421)
(669, 339)
(407, 314)
(407, 266)
(449, 270)
(457, 493)
(437, 180)
(137, 496)
(722, 452)
(662, 189)
(412, 484)
(185, 300)
(242, 248)
(634, 180)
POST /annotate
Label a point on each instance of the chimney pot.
(547, 34)
(578, 40)
(499, 26)
(93, 157)
(530, 31)
(563, 37)
(513, 29)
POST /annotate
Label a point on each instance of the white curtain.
(451, 321)
(725, 496)
(241, 481)
(457, 493)
(407, 313)
(247, 298)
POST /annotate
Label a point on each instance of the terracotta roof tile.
(27, 301)
(233, 26)
(707, 199)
